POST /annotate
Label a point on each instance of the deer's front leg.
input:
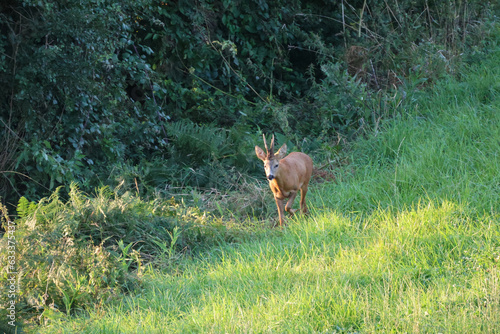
(279, 204)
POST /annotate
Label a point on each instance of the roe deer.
(286, 175)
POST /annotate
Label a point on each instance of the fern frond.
(203, 141)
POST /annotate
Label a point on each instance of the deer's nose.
(270, 177)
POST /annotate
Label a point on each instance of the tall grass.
(407, 240)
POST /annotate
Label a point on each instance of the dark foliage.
(187, 86)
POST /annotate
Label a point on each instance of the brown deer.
(286, 175)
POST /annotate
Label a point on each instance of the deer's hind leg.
(289, 203)
(303, 206)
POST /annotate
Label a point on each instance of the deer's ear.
(260, 153)
(281, 152)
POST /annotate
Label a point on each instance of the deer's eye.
(276, 166)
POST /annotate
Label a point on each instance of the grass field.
(406, 241)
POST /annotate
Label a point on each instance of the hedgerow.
(93, 86)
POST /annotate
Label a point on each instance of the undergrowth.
(84, 250)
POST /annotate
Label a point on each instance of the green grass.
(407, 240)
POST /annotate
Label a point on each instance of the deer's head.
(271, 160)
